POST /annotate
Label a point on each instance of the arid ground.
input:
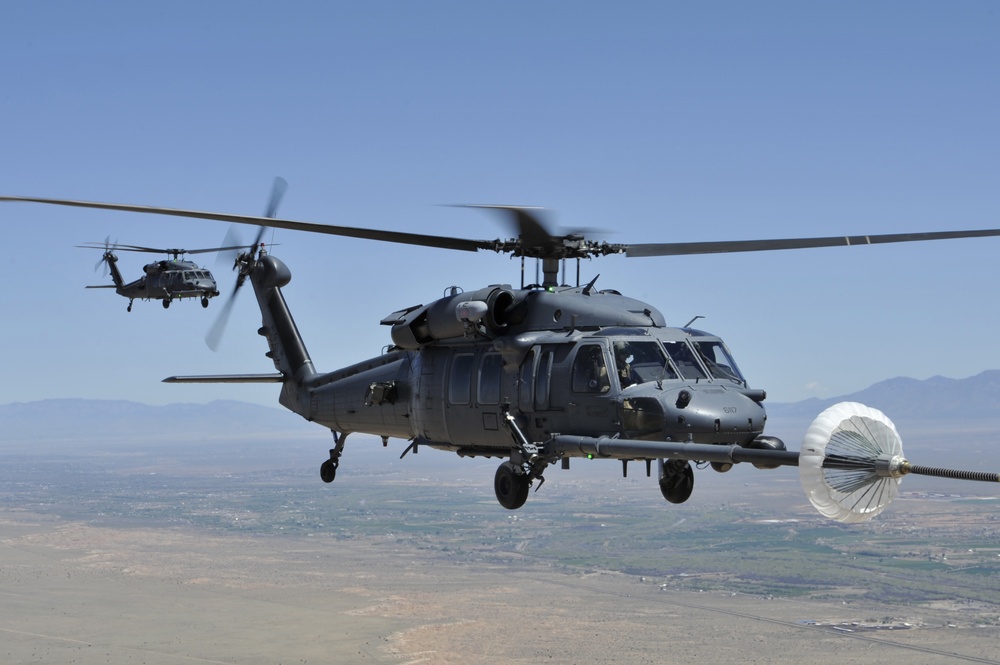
(77, 593)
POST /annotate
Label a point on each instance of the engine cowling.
(455, 316)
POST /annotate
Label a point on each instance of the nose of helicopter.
(697, 413)
(715, 413)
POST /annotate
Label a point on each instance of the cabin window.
(590, 371)
(526, 382)
(490, 375)
(685, 360)
(460, 381)
(543, 380)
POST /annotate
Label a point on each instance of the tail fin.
(287, 349)
(111, 261)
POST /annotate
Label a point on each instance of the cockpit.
(640, 360)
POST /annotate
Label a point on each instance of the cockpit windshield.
(640, 361)
(719, 362)
(684, 358)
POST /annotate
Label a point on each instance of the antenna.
(688, 324)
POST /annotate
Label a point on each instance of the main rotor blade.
(530, 228)
(157, 250)
(442, 242)
(732, 246)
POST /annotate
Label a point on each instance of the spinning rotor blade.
(535, 240)
(107, 247)
(155, 250)
(530, 229)
(277, 192)
(214, 335)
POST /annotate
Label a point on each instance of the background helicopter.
(165, 280)
(547, 372)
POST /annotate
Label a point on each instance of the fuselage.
(171, 279)
(632, 377)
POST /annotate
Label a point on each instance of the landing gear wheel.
(677, 481)
(129, 307)
(166, 303)
(511, 487)
(328, 471)
(204, 302)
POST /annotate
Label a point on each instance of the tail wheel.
(511, 486)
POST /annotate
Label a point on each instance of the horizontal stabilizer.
(103, 286)
(227, 378)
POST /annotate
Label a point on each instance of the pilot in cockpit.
(623, 361)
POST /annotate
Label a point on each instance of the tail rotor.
(106, 257)
(243, 262)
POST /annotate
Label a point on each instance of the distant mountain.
(974, 401)
(111, 420)
(938, 398)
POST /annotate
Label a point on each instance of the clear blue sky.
(654, 121)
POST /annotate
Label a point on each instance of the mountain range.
(957, 403)
(938, 398)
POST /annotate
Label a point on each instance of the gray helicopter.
(543, 373)
(165, 280)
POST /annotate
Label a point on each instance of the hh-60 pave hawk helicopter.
(165, 280)
(544, 373)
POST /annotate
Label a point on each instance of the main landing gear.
(166, 303)
(676, 480)
(204, 301)
(511, 485)
(328, 470)
(513, 478)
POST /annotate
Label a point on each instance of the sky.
(638, 121)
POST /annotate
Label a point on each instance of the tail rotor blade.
(233, 239)
(277, 192)
(214, 336)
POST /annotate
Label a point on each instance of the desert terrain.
(104, 560)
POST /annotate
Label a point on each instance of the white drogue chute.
(851, 462)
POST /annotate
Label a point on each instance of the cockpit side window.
(719, 362)
(684, 358)
(590, 371)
